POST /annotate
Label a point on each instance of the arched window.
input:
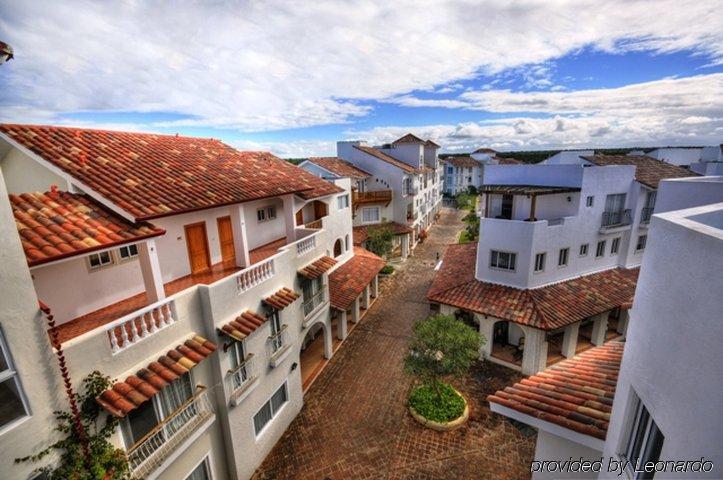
(337, 247)
(346, 243)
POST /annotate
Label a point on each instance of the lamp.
(293, 366)
(6, 52)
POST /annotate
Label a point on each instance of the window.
(370, 215)
(615, 246)
(407, 186)
(540, 262)
(266, 213)
(201, 472)
(127, 252)
(342, 201)
(600, 250)
(450, 169)
(238, 357)
(261, 215)
(12, 397)
(502, 260)
(642, 240)
(643, 439)
(589, 201)
(313, 294)
(583, 249)
(270, 409)
(271, 213)
(562, 258)
(277, 340)
(99, 260)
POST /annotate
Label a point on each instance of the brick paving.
(354, 424)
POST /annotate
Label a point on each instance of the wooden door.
(299, 218)
(319, 209)
(197, 244)
(225, 239)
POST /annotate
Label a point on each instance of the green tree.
(472, 228)
(380, 240)
(441, 346)
(106, 461)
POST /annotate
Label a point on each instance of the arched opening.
(337, 248)
(508, 342)
(615, 324)
(584, 335)
(554, 339)
(315, 353)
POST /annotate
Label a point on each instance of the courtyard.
(354, 423)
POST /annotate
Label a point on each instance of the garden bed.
(451, 413)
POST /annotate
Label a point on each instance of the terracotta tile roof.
(527, 189)
(55, 225)
(432, 144)
(546, 308)
(281, 299)
(408, 138)
(339, 167)
(648, 171)
(485, 150)
(243, 325)
(128, 395)
(463, 162)
(576, 394)
(362, 232)
(150, 175)
(389, 159)
(317, 268)
(509, 161)
(348, 281)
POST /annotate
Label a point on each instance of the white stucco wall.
(552, 447)
(677, 156)
(679, 193)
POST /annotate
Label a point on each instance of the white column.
(534, 357)
(486, 329)
(240, 242)
(151, 271)
(365, 298)
(341, 328)
(623, 322)
(375, 286)
(328, 348)
(569, 340)
(599, 328)
(405, 245)
(355, 311)
(289, 218)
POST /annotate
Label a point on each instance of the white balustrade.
(140, 324)
(305, 245)
(255, 274)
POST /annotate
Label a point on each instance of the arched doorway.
(508, 342)
(315, 353)
(337, 248)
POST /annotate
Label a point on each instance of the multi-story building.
(636, 420)
(408, 168)
(370, 208)
(555, 267)
(462, 171)
(212, 284)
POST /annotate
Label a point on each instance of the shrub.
(380, 240)
(424, 400)
(387, 270)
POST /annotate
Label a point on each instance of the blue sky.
(260, 77)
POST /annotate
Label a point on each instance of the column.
(405, 245)
(623, 322)
(532, 208)
(151, 271)
(328, 348)
(355, 311)
(534, 357)
(569, 340)
(240, 241)
(375, 286)
(341, 328)
(599, 327)
(289, 218)
(486, 329)
(487, 205)
(365, 298)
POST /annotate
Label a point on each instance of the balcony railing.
(278, 342)
(316, 224)
(646, 213)
(616, 219)
(362, 198)
(305, 245)
(412, 216)
(140, 324)
(317, 299)
(239, 378)
(255, 274)
(156, 446)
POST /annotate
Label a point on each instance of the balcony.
(255, 274)
(240, 380)
(314, 303)
(370, 198)
(412, 216)
(279, 346)
(645, 215)
(170, 437)
(610, 220)
(141, 324)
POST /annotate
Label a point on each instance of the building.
(462, 172)
(370, 208)
(567, 157)
(702, 160)
(212, 284)
(409, 170)
(554, 270)
(627, 410)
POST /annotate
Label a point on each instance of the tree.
(106, 461)
(472, 190)
(441, 346)
(380, 240)
(472, 228)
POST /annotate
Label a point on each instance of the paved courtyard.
(354, 424)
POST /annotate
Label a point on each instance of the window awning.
(243, 325)
(137, 389)
(281, 299)
(317, 268)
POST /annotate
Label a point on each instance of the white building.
(567, 157)
(408, 168)
(702, 160)
(656, 406)
(462, 172)
(210, 283)
(551, 235)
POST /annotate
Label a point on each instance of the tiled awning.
(317, 268)
(137, 389)
(281, 299)
(348, 281)
(243, 326)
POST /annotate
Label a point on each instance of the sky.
(295, 77)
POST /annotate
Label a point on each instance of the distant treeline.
(537, 156)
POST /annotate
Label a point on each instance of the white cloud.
(277, 64)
